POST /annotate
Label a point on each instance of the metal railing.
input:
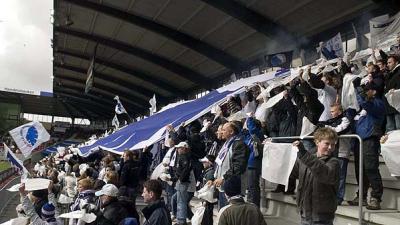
(361, 162)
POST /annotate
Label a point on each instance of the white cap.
(182, 145)
(109, 190)
(205, 159)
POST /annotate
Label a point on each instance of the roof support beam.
(182, 71)
(78, 93)
(102, 90)
(145, 76)
(87, 104)
(89, 113)
(201, 47)
(106, 78)
(251, 18)
(81, 113)
(70, 112)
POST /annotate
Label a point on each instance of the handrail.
(361, 161)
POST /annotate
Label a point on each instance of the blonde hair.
(337, 105)
(325, 133)
(86, 183)
(112, 177)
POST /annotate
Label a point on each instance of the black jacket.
(130, 174)
(183, 167)
(287, 117)
(392, 81)
(318, 186)
(240, 156)
(307, 103)
(112, 214)
(156, 214)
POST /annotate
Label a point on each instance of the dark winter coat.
(307, 103)
(130, 174)
(318, 186)
(392, 81)
(156, 214)
(113, 213)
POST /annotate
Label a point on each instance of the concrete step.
(284, 206)
(390, 198)
(274, 220)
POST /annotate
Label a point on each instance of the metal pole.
(361, 161)
(360, 182)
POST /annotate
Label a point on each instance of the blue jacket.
(370, 125)
(253, 135)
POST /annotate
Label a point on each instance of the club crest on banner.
(29, 135)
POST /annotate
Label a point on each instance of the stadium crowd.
(222, 153)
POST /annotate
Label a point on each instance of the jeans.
(174, 204)
(392, 122)
(222, 201)
(182, 197)
(371, 175)
(170, 190)
(253, 184)
(309, 222)
(342, 178)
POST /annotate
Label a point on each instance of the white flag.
(307, 128)
(383, 30)
(153, 103)
(278, 162)
(119, 108)
(393, 98)
(390, 152)
(115, 121)
(29, 136)
(14, 161)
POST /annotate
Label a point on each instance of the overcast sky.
(25, 46)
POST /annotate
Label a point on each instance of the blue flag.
(15, 162)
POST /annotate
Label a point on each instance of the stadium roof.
(173, 48)
(47, 105)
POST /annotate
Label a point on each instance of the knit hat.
(40, 193)
(48, 210)
(232, 186)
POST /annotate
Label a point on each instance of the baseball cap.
(182, 144)
(208, 158)
(109, 190)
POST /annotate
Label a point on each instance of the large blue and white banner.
(152, 129)
(14, 161)
(29, 136)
